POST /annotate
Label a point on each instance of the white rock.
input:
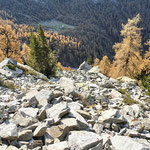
(31, 112)
(8, 131)
(58, 146)
(40, 130)
(127, 143)
(83, 140)
(95, 69)
(68, 85)
(84, 66)
(57, 111)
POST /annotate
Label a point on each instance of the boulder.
(58, 146)
(84, 66)
(7, 71)
(43, 97)
(25, 135)
(127, 143)
(81, 121)
(8, 131)
(58, 132)
(57, 111)
(110, 116)
(72, 123)
(83, 140)
(68, 85)
(21, 120)
(40, 130)
(94, 70)
(12, 148)
(31, 112)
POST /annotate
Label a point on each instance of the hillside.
(79, 110)
(96, 24)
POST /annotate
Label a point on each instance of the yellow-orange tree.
(105, 65)
(9, 43)
(127, 59)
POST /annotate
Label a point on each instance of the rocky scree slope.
(79, 110)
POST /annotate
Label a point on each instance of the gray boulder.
(127, 143)
(68, 85)
(84, 66)
(57, 111)
(83, 140)
(8, 131)
(58, 146)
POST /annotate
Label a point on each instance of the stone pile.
(79, 110)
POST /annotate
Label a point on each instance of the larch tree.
(145, 66)
(105, 65)
(9, 43)
(127, 59)
(96, 62)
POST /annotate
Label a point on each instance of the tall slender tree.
(41, 57)
(127, 58)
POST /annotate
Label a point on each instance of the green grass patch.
(129, 101)
(123, 91)
(8, 84)
(28, 71)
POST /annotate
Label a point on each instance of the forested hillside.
(97, 23)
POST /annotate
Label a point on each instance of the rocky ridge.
(78, 110)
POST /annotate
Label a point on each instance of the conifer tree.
(127, 58)
(9, 43)
(105, 65)
(145, 66)
(41, 57)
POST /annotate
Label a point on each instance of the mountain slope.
(98, 22)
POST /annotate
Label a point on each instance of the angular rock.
(25, 135)
(84, 114)
(31, 112)
(40, 130)
(8, 72)
(35, 144)
(97, 147)
(83, 140)
(21, 120)
(42, 114)
(8, 131)
(110, 116)
(44, 95)
(68, 85)
(94, 70)
(127, 143)
(84, 66)
(12, 148)
(80, 119)
(57, 111)
(58, 132)
(33, 102)
(72, 123)
(58, 146)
